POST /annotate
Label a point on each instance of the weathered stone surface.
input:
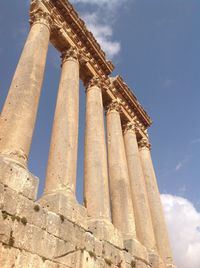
(106, 231)
(18, 178)
(57, 232)
(136, 249)
(66, 206)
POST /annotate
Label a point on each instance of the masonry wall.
(33, 236)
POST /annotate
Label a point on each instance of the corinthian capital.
(130, 127)
(115, 105)
(39, 16)
(94, 81)
(71, 53)
(144, 143)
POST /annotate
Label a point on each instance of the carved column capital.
(144, 144)
(94, 81)
(39, 16)
(115, 105)
(130, 127)
(71, 53)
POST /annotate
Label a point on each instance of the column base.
(18, 178)
(105, 230)
(135, 248)
(66, 205)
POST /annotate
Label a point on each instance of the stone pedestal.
(18, 178)
(66, 206)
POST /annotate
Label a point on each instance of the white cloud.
(183, 222)
(100, 21)
(103, 34)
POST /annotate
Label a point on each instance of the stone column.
(62, 163)
(20, 109)
(157, 214)
(144, 227)
(96, 190)
(121, 203)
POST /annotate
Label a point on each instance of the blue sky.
(155, 47)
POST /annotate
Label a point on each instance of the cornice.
(133, 106)
(71, 27)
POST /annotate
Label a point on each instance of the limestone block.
(32, 211)
(104, 230)
(129, 259)
(136, 249)
(18, 178)
(64, 225)
(66, 206)
(8, 256)
(28, 260)
(52, 223)
(63, 249)
(1, 195)
(70, 259)
(154, 260)
(112, 254)
(6, 228)
(171, 266)
(47, 246)
(31, 238)
(11, 200)
(89, 243)
(50, 264)
(141, 264)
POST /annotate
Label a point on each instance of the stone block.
(1, 195)
(136, 249)
(154, 260)
(112, 254)
(11, 200)
(18, 178)
(8, 256)
(171, 266)
(104, 230)
(50, 264)
(32, 211)
(70, 259)
(63, 248)
(28, 260)
(66, 206)
(6, 224)
(141, 264)
(53, 222)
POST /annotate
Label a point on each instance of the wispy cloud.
(183, 222)
(195, 141)
(100, 21)
(181, 163)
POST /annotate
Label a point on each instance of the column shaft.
(20, 109)
(121, 203)
(62, 163)
(157, 214)
(144, 227)
(96, 191)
